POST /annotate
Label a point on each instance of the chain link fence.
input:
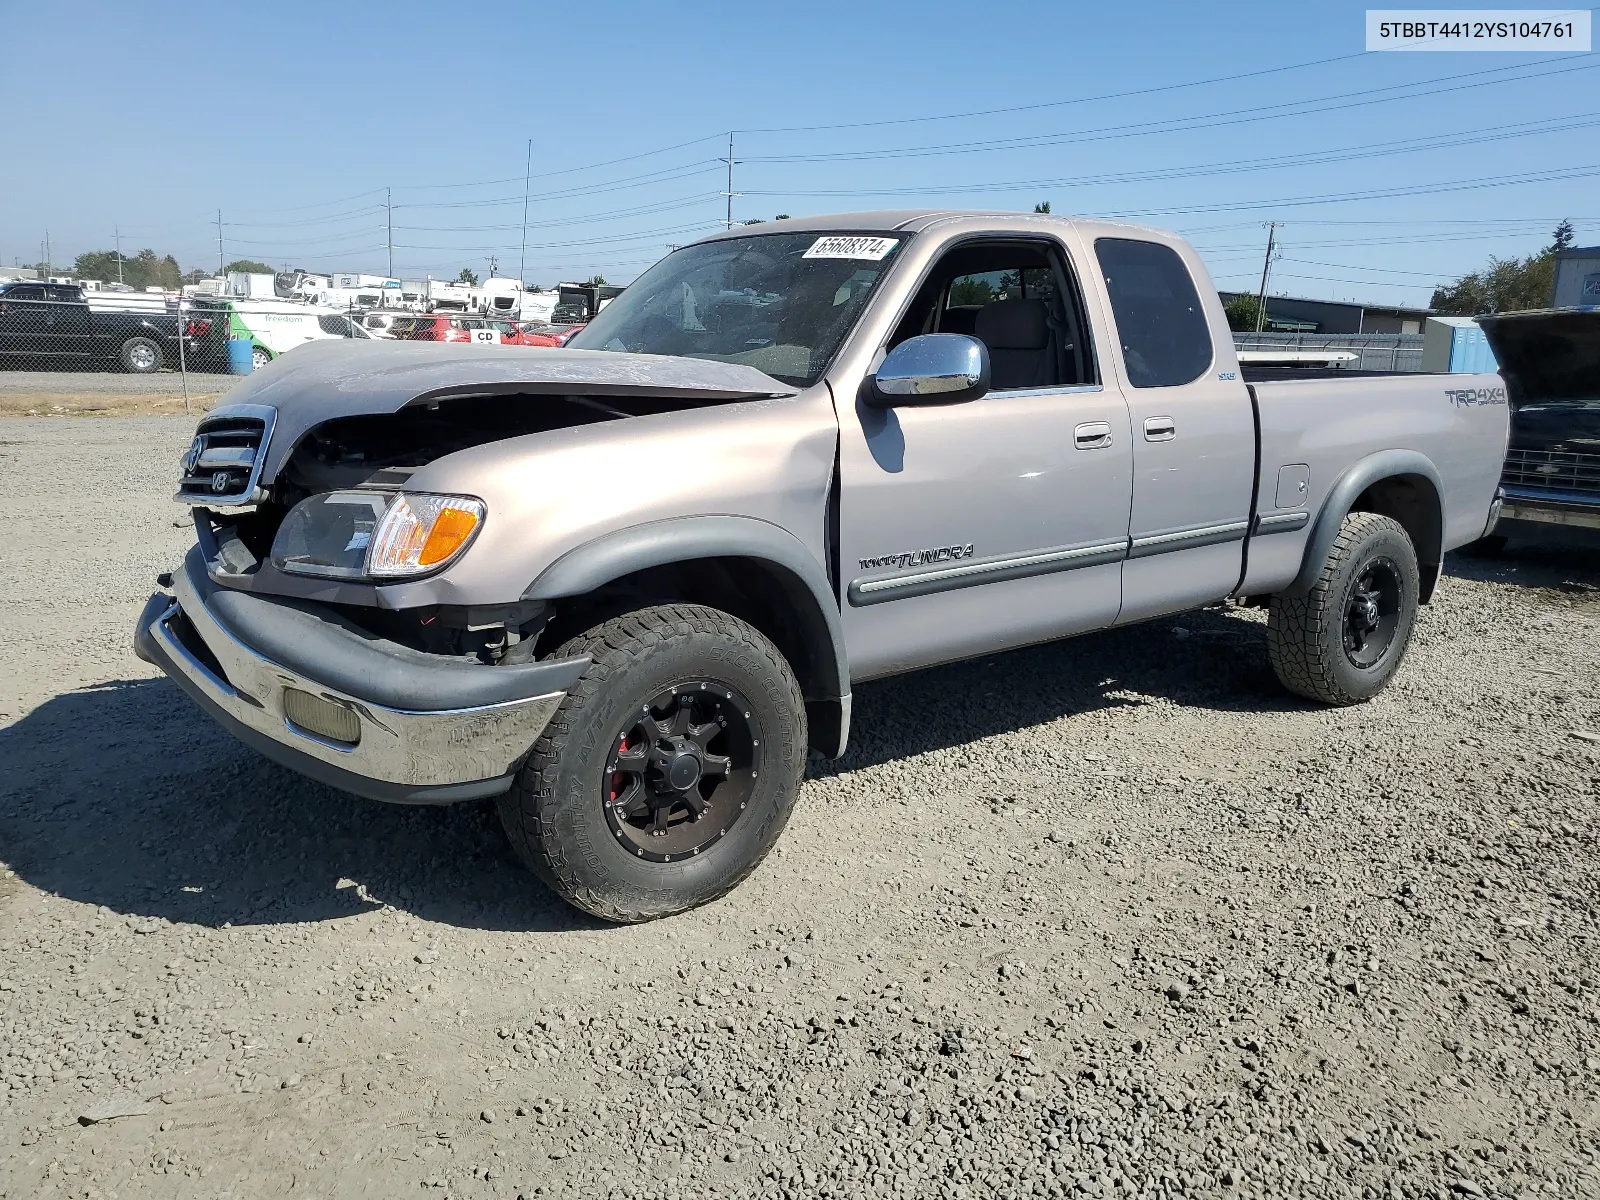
(1373, 351)
(70, 345)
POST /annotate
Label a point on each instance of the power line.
(1238, 116)
(991, 112)
(1300, 159)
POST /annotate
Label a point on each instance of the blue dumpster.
(241, 356)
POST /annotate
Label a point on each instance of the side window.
(1164, 335)
(1016, 297)
(337, 326)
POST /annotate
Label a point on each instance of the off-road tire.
(140, 355)
(1306, 635)
(554, 813)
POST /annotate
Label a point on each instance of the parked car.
(453, 327)
(541, 333)
(622, 586)
(1551, 364)
(379, 324)
(59, 323)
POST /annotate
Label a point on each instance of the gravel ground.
(1110, 917)
(46, 393)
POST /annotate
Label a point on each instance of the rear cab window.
(1161, 327)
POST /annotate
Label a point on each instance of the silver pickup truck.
(622, 587)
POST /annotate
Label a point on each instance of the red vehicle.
(460, 327)
(537, 333)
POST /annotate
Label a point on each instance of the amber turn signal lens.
(450, 532)
(419, 531)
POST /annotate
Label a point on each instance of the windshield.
(781, 303)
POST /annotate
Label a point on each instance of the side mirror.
(932, 368)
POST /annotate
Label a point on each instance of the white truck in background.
(442, 296)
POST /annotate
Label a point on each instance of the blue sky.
(293, 117)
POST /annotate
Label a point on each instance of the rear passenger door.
(69, 320)
(1193, 431)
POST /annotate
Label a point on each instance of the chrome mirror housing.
(932, 368)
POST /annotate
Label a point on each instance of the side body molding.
(684, 539)
(1385, 464)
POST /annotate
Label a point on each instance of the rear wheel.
(669, 770)
(141, 355)
(1342, 642)
(260, 356)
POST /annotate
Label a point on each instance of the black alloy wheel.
(1342, 641)
(682, 771)
(1372, 612)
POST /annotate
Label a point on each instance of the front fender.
(675, 540)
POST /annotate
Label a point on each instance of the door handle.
(1094, 435)
(1160, 429)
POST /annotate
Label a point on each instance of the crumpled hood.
(336, 378)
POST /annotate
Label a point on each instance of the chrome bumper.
(1577, 516)
(397, 755)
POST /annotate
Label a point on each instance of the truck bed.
(1328, 420)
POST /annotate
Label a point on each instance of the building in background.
(1290, 314)
(1577, 278)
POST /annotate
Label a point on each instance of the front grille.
(223, 462)
(1555, 470)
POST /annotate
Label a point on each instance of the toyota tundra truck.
(623, 587)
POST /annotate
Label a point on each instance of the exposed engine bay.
(378, 453)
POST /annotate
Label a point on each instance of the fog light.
(321, 717)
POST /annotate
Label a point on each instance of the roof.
(916, 220)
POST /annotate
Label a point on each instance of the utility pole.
(47, 271)
(219, 242)
(527, 179)
(729, 192)
(116, 232)
(1266, 266)
(388, 203)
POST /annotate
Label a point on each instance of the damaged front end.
(310, 618)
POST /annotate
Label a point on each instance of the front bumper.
(1579, 509)
(409, 739)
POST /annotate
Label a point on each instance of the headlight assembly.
(358, 534)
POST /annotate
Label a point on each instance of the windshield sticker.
(865, 249)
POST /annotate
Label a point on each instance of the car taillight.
(198, 329)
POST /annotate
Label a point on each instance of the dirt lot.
(106, 393)
(1110, 917)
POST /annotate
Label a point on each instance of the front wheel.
(260, 356)
(1342, 642)
(669, 770)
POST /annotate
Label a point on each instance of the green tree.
(1241, 312)
(249, 266)
(781, 217)
(1042, 207)
(1506, 284)
(142, 270)
(595, 281)
(468, 276)
(970, 292)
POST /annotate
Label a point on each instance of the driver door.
(1001, 521)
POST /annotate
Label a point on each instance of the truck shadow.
(125, 795)
(1563, 563)
(1208, 658)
